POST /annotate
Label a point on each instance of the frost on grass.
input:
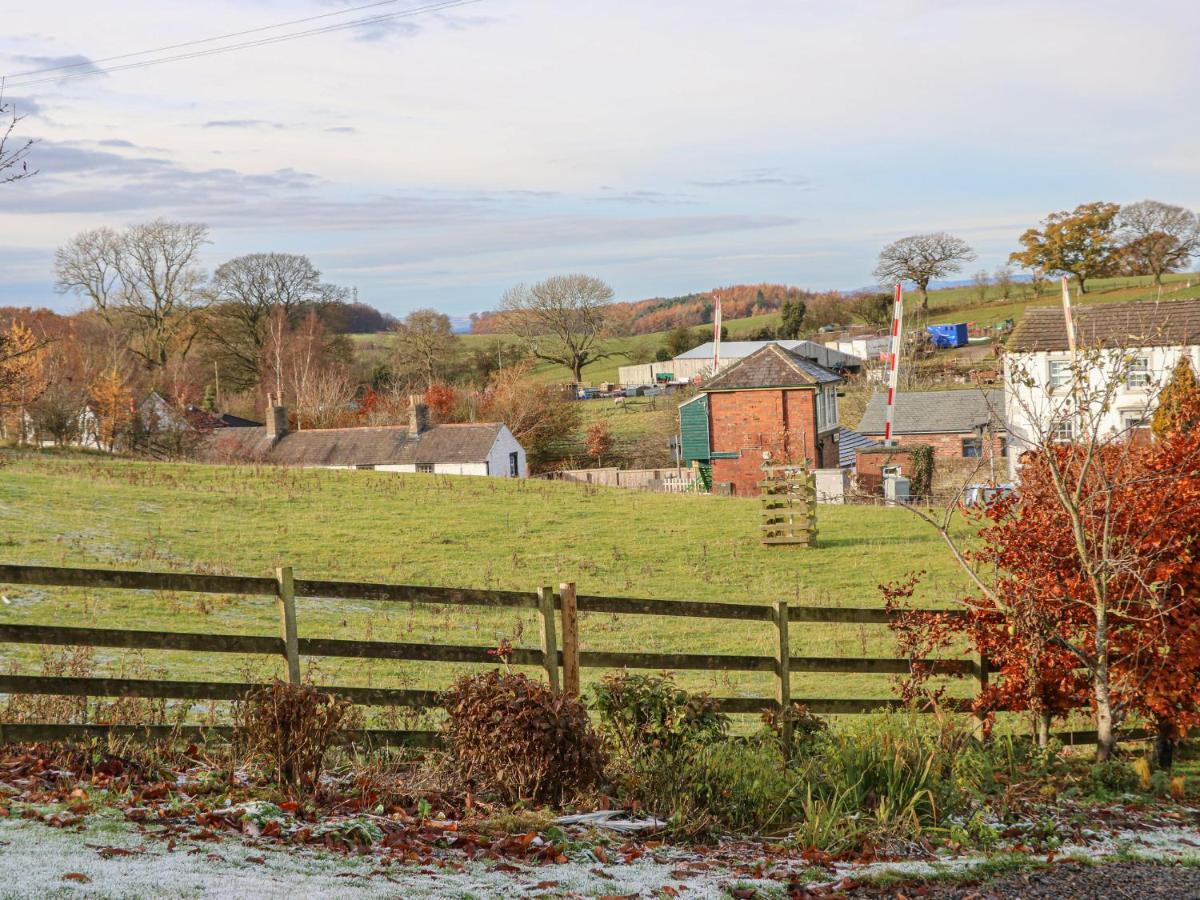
(108, 860)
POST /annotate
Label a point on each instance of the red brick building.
(772, 402)
(956, 424)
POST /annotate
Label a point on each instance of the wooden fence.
(552, 656)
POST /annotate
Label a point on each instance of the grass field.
(421, 529)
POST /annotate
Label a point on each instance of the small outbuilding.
(772, 405)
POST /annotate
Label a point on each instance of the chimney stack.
(277, 417)
(418, 415)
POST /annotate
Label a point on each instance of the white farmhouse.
(485, 448)
(1128, 351)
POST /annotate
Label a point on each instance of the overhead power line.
(93, 69)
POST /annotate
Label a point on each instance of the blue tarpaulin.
(947, 336)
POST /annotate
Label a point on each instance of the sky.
(667, 147)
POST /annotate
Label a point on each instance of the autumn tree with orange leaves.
(113, 405)
(1088, 579)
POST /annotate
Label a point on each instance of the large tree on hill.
(422, 345)
(562, 319)
(921, 258)
(1157, 238)
(1081, 243)
(245, 292)
(145, 282)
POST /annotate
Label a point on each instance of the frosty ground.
(108, 858)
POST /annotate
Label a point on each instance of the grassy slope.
(960, 304)
(442, 531)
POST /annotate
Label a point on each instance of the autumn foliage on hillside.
(1095, 596)
(632, 317)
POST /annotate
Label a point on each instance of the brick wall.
(781, 421)
(869, 467)
(945, 446)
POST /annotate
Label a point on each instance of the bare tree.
(981, 282)
(1003, 279)
(13, 163)
(562, 319)
(1157, 238)
(920, 258)
(144, 281)
(424, 343)
(244, 292)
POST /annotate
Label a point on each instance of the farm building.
(471, 449)
(772, 403)
(697, 362)
(957, 424)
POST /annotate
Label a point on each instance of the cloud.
(755, 177)
(72, 64)
(242, 123)
(342, 129)
(22, 106)
(385, 29)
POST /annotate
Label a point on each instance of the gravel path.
(1066, 881)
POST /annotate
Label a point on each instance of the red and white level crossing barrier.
(894, 365)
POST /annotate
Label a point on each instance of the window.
(427, 468)
(514, 465)
(1060, 373)
(1138, 374)
(889, 471)
(1131, 420)
(1004, 446)
(1063, 432)
(972, 447)
(365, 466)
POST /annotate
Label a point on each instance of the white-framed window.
(889, 471)
(972, 447)
(1058, 374)
(1132, 418)
(1138, 374)
(1063, 432)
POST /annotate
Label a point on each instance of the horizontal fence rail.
(554, 654)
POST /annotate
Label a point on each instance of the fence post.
(549, 641)
(783, 677)
(570, 638)
(981, 673)
(286, 592)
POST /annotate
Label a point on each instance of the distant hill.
(633, 317)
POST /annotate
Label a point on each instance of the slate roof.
(818, 353)
(933, 412)
(1142, 323)
(384, 445)
(772, 366)
(850, 441)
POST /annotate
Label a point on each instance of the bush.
(513, 737)
(1111, 777)
(289, 729)
(642, 715)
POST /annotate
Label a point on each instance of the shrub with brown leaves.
(515, 738)
(289, 729)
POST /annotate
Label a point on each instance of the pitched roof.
(850, 441)
(819, 353)
(933, 412)
(377, 446)
(771, 366)
(1141, 323)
